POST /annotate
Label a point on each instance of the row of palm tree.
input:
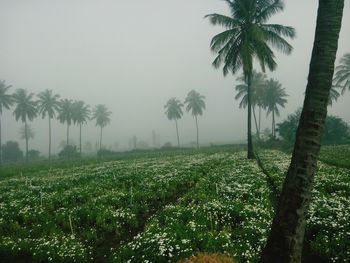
(194, 104)
(49, 105)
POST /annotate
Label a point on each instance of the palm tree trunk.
(256, 123)
(197, 131)
(250, 141)
(273, 124)
(101, 139)
(259, 118)
(285, 242)
(0, 145)
(80, 138)
(177, 133)
(49, 139)
(26, 135)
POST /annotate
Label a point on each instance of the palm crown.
(247, 35)
(342, 73)
(25, 105)
(101, 115)
(276, 96)
(48, 103)
(65, 111)
(80, 112)
(195, 103)
(6, 100)
(173, 109)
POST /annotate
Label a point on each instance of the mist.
(133, 56)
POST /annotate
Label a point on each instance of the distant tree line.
(48, 105)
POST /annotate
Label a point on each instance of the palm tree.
(258, 88)
(333, 96)
(247, 36)
(275, 96)
(102, 116)
(195, 104)
(65, 114)
(49, 105)
(6, 101)
(285, 241)
(174, 112)
(342, 73)
(25, 110)
(81, 113)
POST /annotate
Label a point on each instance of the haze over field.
(133, 56)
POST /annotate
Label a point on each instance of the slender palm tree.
(65, 114)
(342, 74)
(285, 241)
(258, 88)
(174, 112)
(195, 103)
(26, 110)
(275, 97)
(247, 36)
(102, 116)
(49, 105)
(81, 114)
(6, 101)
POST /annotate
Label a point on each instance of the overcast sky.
(133, 56)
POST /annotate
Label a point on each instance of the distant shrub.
(11, 152)
(105, 153)
(69, 151)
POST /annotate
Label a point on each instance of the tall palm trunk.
(49, 138)
(80, 138)
(197, 131)
(0, 145)
(285, 242)
(67, 133)
(256, 123)
(259, 118)
(101, 139)
(177, 133)
(250, 142)
(273, 125)
(26, 137)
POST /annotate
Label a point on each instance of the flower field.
(163, 209)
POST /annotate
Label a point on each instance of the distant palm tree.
(6, 101)
(26, 133)
(49, 105)
(65, 114)
(195, 103)
(102, 116)
(342, 73)
(275, 97)
(25, 110)
(174, 112)
(258, 89)
(333, 96)
(81, 113)
(247, 36)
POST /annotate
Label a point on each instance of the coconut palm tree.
(26, 110)
(102, 116)
(285, 241)
(6, 101)
(65, 114)
(81, 114)
(275, 97)
(195, 103)
(247, 36)
(342, 74)
(258, 88)
(49, 105)
(174, 112)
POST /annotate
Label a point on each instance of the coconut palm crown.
(342, 74)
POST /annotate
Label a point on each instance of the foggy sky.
(133, 56)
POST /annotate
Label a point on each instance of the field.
(165, 207)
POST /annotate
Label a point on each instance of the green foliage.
(11, 152)
(173, 109)
(69, 152)
(25, 105)
(336, 131)
(195, 103)
(6, 100)
(338, 155)
(102, 115)
(342, 74)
